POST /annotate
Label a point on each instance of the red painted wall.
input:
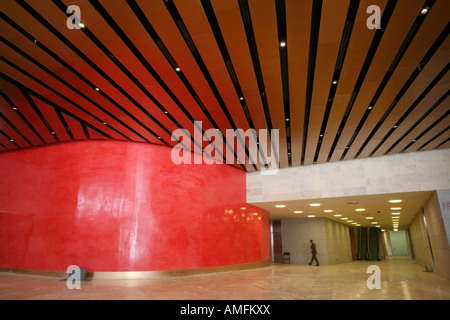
(124, 206)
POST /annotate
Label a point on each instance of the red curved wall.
(123, 206)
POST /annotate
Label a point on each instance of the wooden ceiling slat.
(265, 26)
(75, 127)
(298, 25)
(394, 34)
(331, 29)
(433, 25)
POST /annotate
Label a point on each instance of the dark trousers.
(314, 258)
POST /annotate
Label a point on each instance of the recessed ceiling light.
(378, 226)
(353, 202)
(53, 132)
(280, 206)
(243, 208)
(327, 210)
(311, 216)
(344, 218)
(12, 140)
(369, 218)
(349, 220)
(241, 98)
(360, 209)
(374, 222)
(14, 108)
(314, 204)
(159, 138)
(396, 208)
(395, 213)
(104, 123)
(335, 82)
(282, 44)
(424, 11)
(337, 215)
(354, 223)
(395, 201)
(298, 211)
(81, 25)
(97, 89)
(177, 69)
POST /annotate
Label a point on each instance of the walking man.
(313, 253)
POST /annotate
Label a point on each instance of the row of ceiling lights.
(395, 214)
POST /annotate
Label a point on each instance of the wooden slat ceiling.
(141, 69)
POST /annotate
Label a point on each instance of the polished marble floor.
(401, 279)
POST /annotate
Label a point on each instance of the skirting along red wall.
(124, 206)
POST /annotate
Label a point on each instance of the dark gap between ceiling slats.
(313, 44)
(280, 6)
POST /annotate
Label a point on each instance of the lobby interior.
(191, 149)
